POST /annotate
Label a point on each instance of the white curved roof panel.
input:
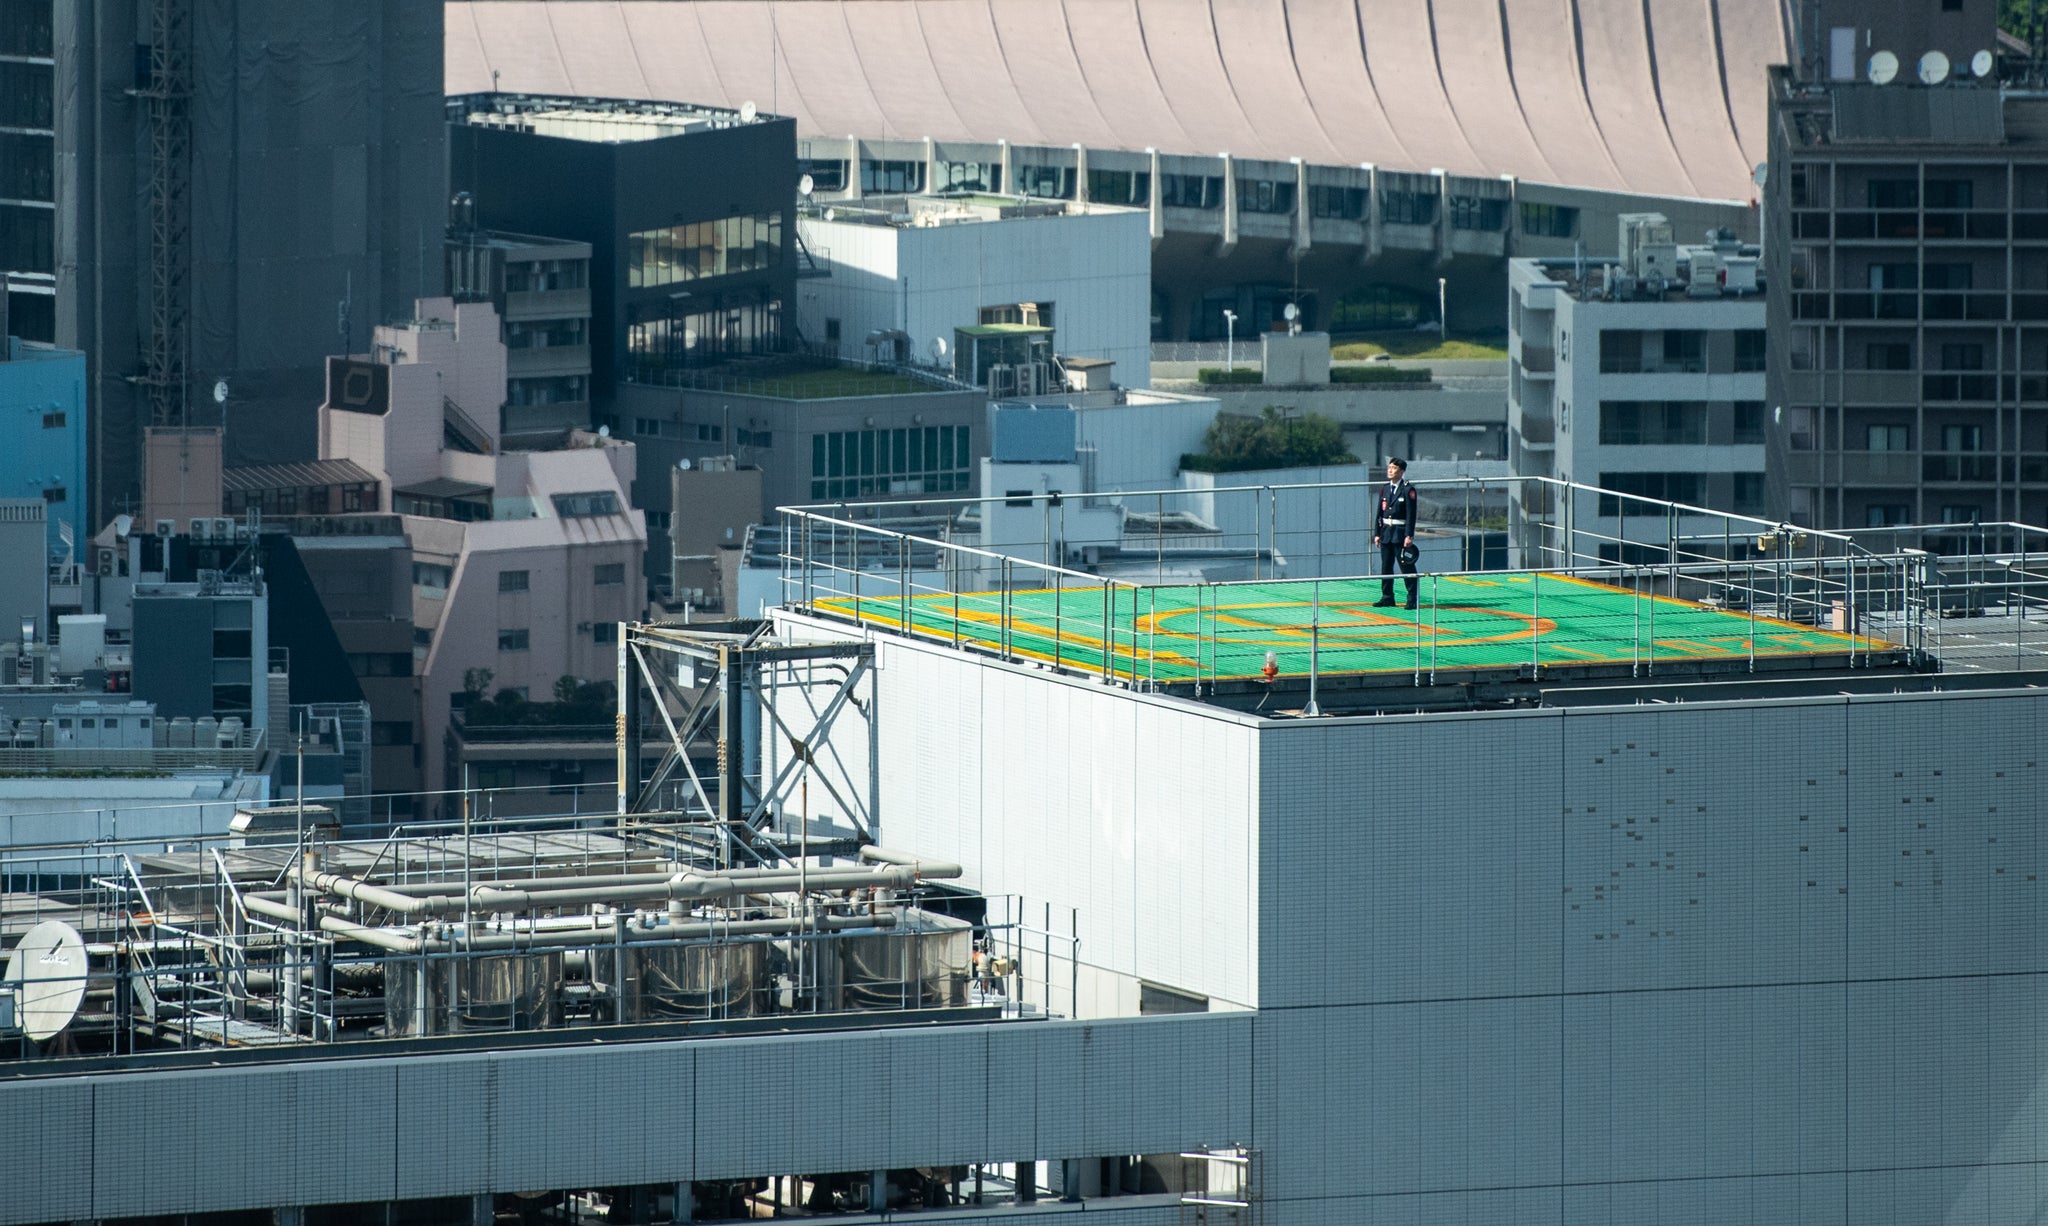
(1663, 99)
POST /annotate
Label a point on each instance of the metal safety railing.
(1031, 578)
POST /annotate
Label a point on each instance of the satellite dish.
(1980, 63)
(604, 432)
(805, 186)
(1933, 68)
(683, 465)
(122, 523)
(1760, 174)
(1884, 67)
(1292, 313)
(938, 349)
(747, 112)
(47, 971)
(831, 213)
(220, 391)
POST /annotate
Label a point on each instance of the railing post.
(1535, 616)
(1315, 642)
(1108, 634)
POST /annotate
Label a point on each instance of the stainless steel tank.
(924, 962)
(706, 979)
(452, 994)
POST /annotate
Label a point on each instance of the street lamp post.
(1229, 340)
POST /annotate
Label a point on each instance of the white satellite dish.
(1292, 313)
(831, 213)
(1933, 68)
(1761, 174)
(747, 112)
(604, 432)
(123, 524)
(46, 972)
(220, 391)
(1980, 63)
(1884, 68)
(938, 349)
(805, 186)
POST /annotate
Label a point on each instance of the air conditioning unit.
(166, 529)
(223, 529)
(201, 529)
(103, 563)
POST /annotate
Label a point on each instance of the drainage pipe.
(682, 885)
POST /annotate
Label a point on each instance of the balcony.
(1965, 469)
(1538, 360)
(1860, 468)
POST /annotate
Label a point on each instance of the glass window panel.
(817, 459)
(867, 453)
(916, 451)
(932, 459)
(901, 447)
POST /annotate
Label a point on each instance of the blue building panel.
(42, 417)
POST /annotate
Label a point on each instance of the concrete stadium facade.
(1341, 153)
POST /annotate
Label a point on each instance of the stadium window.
(827, 174)
(1549, 220)
(1407, 208)
(967, 177)
(1046, 182)
(1119, 186)
(1342, 203)
(1264, 196)
(1191, 191)
(891, 178)
(1478, 213)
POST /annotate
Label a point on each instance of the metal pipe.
(405, 941)
(681, 885)
(936, 869)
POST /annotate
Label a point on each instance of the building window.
(1265, 196)
(658, 520)
(1749, 493)
(512, 580)
(1749, 350)
(1406, 208)
(1953, 514)
(882, 463)
(1685, 349)
(1891, 194)
(565, 777)
(1888, 355)
(1191, 191)
(1749, 421)
(432, 579)
(1478, 213)
(391, 732)
(967, 177)
(1621, 352)
(827, 174)
(652, 427)
(1666, 486)
(753, 438)
(586, 505)
(1950, 193)
(1549, 220)
(55, 494)
(1886, 514)
(53, 421)
(610, 574)
(1629, 423)
(703, 249)
(512, 640)
(1962, 438)
(891, 178)
(1046, 182)
(832, 332)
(1886, 438)
(1342, 203)
(710, 434)
(604, 632)
(1120, 186)
(488, 775)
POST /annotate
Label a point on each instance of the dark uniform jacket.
(1395, 522)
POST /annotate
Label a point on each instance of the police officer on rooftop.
(1393, 530)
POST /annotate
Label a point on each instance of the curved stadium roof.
(1605, 94)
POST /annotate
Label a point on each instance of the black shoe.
(1384, 602)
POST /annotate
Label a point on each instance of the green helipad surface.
(1221, 632)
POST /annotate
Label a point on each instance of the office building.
(540, 288)
(1644, 376)
(906, 271)
(686, 212)
(1905, 197)
(242, 189)
(43, 417)
(28, 164)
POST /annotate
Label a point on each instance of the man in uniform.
(1393, 530)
